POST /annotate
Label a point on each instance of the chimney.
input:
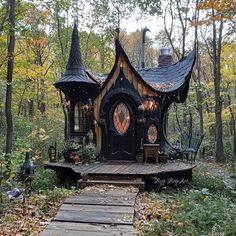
(165, 57)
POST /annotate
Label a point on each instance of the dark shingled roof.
(163, 79)
(75, 71)
(169, 78)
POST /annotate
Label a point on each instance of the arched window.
(81, 122)
(152, 133)
(121, 118)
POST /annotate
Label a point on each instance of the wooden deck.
(141, 175)
(97, 211)
(123, 168)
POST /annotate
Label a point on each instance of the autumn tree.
(10, 67)
(217, 14)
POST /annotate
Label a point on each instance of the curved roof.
(75, 71)
(169, 78)
(161, 79)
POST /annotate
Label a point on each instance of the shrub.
(44, 180)
(206, 209)
(215, 184)
(89, 153)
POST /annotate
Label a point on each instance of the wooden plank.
(111, 197)
(85, 168)
(130, 169)
(111, 194)
(97, 208)
(95, 217)
(71, 229)
(123, 169)
(94, 168)
(142, 169)
(105, 169)
(93, 200)
(116, 168)
(83, 233)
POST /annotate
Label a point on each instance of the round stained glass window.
(121, 118)
(152, 133)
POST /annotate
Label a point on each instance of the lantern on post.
(27, 170)
(52, 153)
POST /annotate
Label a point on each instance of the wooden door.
(121, 132)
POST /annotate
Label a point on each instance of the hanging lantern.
(52, 153)
(27, 170)
(68, 104)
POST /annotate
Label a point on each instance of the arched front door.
(121, 123)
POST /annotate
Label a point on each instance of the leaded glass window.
(80, 118)
(152, 133)
(121, 118)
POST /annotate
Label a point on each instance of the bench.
(151, 151)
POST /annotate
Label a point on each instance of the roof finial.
(117, 33)
(144, 31)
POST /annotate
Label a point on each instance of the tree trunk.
(10, 66)
(216, 42)
(197, 78)
(233, 130)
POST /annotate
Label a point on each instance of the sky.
(152, 23)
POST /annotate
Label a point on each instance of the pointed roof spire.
(74, 65)
(75, 71)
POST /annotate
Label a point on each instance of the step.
(110, 177)
(90, 182)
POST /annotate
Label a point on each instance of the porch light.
(27, 170)
(150, 104)
(67, 104)
(52, 153)
(88, 107)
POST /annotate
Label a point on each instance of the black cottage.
(126, 109)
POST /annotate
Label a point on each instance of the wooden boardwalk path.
(96, 211)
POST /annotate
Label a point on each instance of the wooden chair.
(190, 152)
(151, 151)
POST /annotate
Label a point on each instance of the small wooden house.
(125, 110)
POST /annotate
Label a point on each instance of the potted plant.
(89, 153)
(72, 152)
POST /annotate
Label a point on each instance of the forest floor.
(203, 206)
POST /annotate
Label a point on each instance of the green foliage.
(72, 146)
(53, 196)
(201, 212)
(233, 169)
(215, 184)
(203, 208)
(45, 180)
(57, 194)
(152, 7)
(86, 154)
(89, 153)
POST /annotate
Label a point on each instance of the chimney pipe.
(165, 57)
(145, 30)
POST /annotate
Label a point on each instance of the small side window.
(80, 119)
(152, 133)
